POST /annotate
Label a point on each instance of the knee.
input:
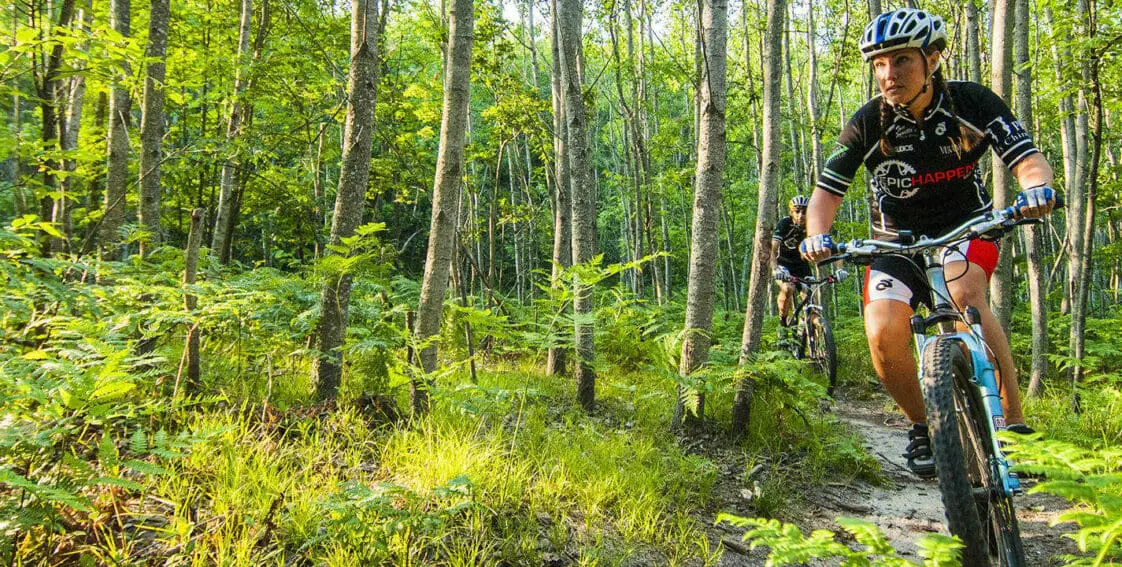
(887, 332)
(880, 335)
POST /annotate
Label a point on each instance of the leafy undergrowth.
(108, 455)
(498, 472)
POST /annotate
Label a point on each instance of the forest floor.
(905, 507)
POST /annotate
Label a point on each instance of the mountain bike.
(961, 394)
(813, 338)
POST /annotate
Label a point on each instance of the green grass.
(501, 471)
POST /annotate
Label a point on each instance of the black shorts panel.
(799, 269)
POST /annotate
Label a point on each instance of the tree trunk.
(152, 126)
(813, 113)
(191, 265)
(793, 107)
(1033, 234)
(69, 142)
(973, 51)
(1088, 176)
(220, 244)
(1001, 284)
(120, 105)
(765, 223)
(354, 175)
(709, 176)
(570, 15)
(48, 88)
(445, 194)
(562, 213)
(319, 219)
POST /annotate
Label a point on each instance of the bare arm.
(820, 215)
(821, 211)
(1033, 171)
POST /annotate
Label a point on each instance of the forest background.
(225, 338)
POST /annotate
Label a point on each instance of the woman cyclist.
(786, 261)
(921, 140)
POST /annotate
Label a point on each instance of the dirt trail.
(907, 508)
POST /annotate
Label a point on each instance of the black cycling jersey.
(927, 185)
(789, 235)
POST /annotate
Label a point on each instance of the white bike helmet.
(899, 29)
(798, 201)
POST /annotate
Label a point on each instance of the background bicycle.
(812, 337)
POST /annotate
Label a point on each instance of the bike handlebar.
(992, 224)
(836, 277)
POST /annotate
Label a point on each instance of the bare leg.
(783, 300)
(970, 289)
(890, 345)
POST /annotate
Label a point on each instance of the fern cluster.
(1091, 479)
(789, 546)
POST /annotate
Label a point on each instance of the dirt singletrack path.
(909, 507)
(905, 507)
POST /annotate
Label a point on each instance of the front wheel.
(978, 510)
(821, 350)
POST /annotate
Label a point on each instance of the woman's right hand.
(817, 247)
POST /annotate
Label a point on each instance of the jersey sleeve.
(1008, 138)
(849, 154)
(781, 229)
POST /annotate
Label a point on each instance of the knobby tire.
(969, 481)
(822, 350)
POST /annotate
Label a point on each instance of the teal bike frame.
(944, 314)
(943, 317)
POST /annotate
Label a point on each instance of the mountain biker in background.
(921, 140)
(786, 260)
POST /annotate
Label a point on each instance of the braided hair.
(886, 115)
(967, 139)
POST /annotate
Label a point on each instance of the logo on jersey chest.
(900, 180)
(894, 178)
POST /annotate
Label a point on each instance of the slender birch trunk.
(709, 176)
(152, 126)
(351, 197)
(1001, 284)
(570, 15)
(1088, 143)
(973, 51)
(220, 242)
(562, 227)
(120, 108)
(1033, 235)
(765, 218)
(68, 141)
(445, 194)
